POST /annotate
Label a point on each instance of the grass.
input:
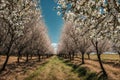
(113, 57)
(84, 73)
(55, 69)
(91, 69)
(36, 73)
(15, 71)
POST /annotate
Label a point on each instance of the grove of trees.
(22, 31)
(90, 26)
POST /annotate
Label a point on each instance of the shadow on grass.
(84, 73)
(101, 76)
(21, 68)
(36, 73)
(66, 61)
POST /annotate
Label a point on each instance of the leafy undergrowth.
(55, 69)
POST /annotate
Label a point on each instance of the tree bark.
(27, 56)
(99, 59)
(88, 56)
(73, 55)
(70, 56)
(119, 55)
(5, 63)
(83, 62)
(31, 56)
(101, 65)
(18, 58)
(7, 56)
(47, 55)
(39, 57)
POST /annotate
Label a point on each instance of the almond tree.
(100, 16)
(89, 51)
(15, 14)
(67, 45)
(70, 33)
(73, 41)
(83, 46)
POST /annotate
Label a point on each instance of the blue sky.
(53, 21)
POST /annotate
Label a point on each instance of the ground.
(56, 68)
(111, 64)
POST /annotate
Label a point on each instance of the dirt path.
(55, 69)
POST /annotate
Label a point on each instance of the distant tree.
(83, 46)
(73, 41)
(89, 51)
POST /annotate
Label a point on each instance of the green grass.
(59, 69)
(55, 69)
(36, 73)
(84, 73)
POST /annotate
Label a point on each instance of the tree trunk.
(42, 56)
(5, 63)
(88, 56)
(18, 58)
(70, 56)
(83, 62)
(101, 65)
(73, 56)
(31, 56)
(27, 56)
(119, 56)
(7, 56)
(39, 57)
(47, 55)
(0, 55)
(99, 59)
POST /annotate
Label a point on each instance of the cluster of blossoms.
(99, 19)
(16, 13)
